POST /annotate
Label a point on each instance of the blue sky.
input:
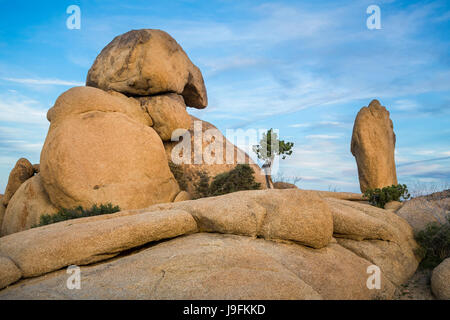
(303, 67)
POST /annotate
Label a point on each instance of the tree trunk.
(267, 166)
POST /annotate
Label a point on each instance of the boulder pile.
(110, 141)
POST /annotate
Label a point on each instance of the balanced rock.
(440, 280)
(26, 207)
(168, 113)
(373, 146)
(22, 171)
(100, 149)
(203, 146)
(147, 62)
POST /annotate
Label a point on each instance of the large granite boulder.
(147, 62)
(423, 210)
(101, 149)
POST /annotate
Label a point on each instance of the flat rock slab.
(310, 263)
(288, 214)
(45, 249)
(215, 266)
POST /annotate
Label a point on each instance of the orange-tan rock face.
(168, 113)
(99, 149)
(373, 146)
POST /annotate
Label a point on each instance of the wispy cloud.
(44, 82)
(422, 161)
(22, 110)
(321, 136)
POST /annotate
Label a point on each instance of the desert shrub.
(202, 185)
(78, 212)
(434, 242)
(238, 179)
(379, 197)
(178, 173)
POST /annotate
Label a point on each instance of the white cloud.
(300, 125)
(321, 136)
(405, 105)
(22, 110)
(227, 63)
(44, 82)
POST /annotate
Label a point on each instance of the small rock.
(182, 196)
(440, 280)
(393, 205)
(22, 171)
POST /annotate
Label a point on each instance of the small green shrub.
(178, 173)
(434, 243)
(238, 179)
(202, 185)
(75, 213)
(379, 197)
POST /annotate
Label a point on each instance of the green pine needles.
(379, 197)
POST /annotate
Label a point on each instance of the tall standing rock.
(373, 146)
(147, 62)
